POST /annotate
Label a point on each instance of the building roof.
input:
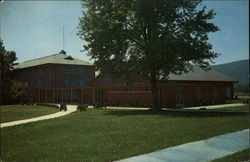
(197, 74)
(59, 58)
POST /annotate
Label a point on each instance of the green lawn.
(107, 135)
(18, 112)
(237, 157)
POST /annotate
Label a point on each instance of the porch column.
(159, 96)
(54, 95)
(45, 95)
(39, 95)
(62, 95)
(93, 95)
(70, 95)
(81, 100)
(97, 94)
(35, 91)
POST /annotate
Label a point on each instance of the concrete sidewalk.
(211, 108)
(127, 108)
(200, 151)
(71, 108)
(216, 106)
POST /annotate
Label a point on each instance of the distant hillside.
(237, 70)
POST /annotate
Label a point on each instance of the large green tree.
(151, 38)
(7, 62)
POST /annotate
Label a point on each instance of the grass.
(18, 112)
(236, 157)
(107, 135)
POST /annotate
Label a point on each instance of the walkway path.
(213, 108)
(71, 108)
(200, 151)
(187, 108)
(127, 108)
(209, 110)
(217, 106)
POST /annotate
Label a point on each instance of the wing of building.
(60, 78)
(56, 71)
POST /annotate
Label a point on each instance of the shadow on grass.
(167, 113)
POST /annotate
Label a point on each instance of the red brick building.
(56, 71)
(197, 87)
(61, 78)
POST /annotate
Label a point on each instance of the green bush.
(63, 107)
(82, 107)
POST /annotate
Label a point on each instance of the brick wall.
(209, 93)
(139, 95)
(128, 98)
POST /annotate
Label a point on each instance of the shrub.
(63, 107)
(82, 107)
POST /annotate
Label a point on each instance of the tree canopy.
(10, 87)
(147, 38)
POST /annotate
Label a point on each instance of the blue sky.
(34, 28)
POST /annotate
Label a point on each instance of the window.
(81, 83)
(39, 71)
(36, 83)
(66, 70)
(66, 82)
(148, 89)
(32, 83)
(73, 70)
(80, 70)
(131, 89)
(32, 72)
(41, 83)
(72, 83)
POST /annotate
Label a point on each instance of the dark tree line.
(11, 88)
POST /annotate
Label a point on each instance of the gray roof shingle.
(198, 74)
(52, 59)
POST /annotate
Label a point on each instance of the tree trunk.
(155, 104)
